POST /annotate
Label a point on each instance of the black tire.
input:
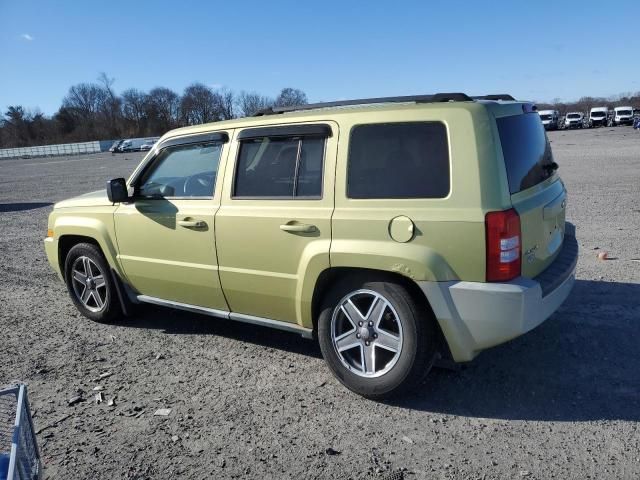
(99, 268)
(417, 349)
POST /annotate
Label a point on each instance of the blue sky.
(536, 50)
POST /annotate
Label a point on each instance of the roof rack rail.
(435, 98)
(498, 96)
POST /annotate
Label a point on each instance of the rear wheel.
(376, 340)
(90, 284)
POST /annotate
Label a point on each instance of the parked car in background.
(148, 145)
(135, 144)
(550, 119)
(116, 145)
(623, 116)
(574, 120)
(598, 116)
(396, 232)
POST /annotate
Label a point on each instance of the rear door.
(537, 193)
(274, 222)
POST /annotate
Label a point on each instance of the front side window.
(399, 160)
(182, 171)
(280, 167)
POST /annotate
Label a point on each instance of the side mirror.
(117, 190)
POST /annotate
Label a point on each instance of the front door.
(166, 238)
(274, 223)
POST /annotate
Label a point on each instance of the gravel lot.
(560, 402)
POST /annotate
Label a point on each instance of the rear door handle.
(298, 228)
(192, 223)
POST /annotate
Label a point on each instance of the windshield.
(545, 117)
(624, 112)
(526, 151)
(597, 114)
(573, 116)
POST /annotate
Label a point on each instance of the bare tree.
(198, 105)
(225, 100)
(84, 100)
(134, 104)
(163, 109)
(251, 103)
(111, 106)
(289, 97)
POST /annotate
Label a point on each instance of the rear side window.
(280, 167)
(398, 160)
(526, 150)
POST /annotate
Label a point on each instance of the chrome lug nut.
(371, 324)
(357, 335)
(359, 324)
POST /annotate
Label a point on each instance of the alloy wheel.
(366, 333)
(89, 284)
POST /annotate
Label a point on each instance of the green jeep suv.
(397, 230)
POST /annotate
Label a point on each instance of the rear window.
(526, 151)
(398, 160)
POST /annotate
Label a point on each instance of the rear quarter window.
(526, 150)
(398, 160)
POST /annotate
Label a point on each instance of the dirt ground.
(560, 402)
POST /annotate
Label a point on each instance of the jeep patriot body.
(396, 230)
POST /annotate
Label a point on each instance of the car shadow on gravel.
(582, 364)
(20, 207)
(177, 322)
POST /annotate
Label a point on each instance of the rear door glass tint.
(280, 167)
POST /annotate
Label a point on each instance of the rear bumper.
(475, 316)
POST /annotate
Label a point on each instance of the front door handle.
(192, 223)
(298, 228)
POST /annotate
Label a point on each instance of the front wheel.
(375, 338)
(90, 284)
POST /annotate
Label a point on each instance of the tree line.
(94, 111)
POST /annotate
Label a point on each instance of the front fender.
(98, 226)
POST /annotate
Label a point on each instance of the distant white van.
(135, 144)
(598, 116)
(623, 116)
(574, 120)
(549, 119)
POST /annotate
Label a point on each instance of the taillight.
(504, 245)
